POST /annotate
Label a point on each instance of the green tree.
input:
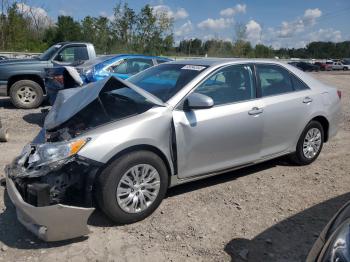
(123, 26)
(103, 35)
(262, 51)
(66, 30)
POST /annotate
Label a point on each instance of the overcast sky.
(291, 23)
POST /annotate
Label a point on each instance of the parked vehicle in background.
(333, 244)
(122, 66)
(340, 66)
(324, 66)
(346, 61)
(2, 57)
(126, 142)
(305, 66)
(293, 63)
(23, 79)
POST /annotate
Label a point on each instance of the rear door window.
(274, 80)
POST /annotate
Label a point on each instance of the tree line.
(241, 48)
(128, 31)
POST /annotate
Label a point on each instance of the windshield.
(49, 52)
(165, 80)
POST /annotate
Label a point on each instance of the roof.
(205, 61)
(147, 56)
(73, 42)
(219, 61)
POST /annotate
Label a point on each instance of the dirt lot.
(270, 212)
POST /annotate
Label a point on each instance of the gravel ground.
(269, 212)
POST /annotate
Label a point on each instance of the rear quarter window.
(298, 84)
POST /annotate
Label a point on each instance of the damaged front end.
(53, 199)
(50, 183)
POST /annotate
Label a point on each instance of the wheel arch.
(144, 147)
(32, 77)
(325, 124)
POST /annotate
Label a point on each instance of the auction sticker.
(193, 67)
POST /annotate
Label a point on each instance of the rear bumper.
(49, 223)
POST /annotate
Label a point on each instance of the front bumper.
(49, 223)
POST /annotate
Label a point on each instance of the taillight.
(59, 78)
(339, 94)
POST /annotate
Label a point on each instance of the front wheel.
(309, 145)
(26, 94)
(132, 186)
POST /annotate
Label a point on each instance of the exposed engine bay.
(113, 102)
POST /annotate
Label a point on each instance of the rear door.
(226, 135)
(287, 102)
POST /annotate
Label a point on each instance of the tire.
(345, 68)
(299, 157)
(110, 179)
(26, 94)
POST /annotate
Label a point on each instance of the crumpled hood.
(70, 102)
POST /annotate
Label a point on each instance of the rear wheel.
(132, 187)
(345, 68)
(26, 94)
(309, 145)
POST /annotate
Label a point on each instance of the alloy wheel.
(312, 143)
(138, 188)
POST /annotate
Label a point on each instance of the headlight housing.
(53, 152)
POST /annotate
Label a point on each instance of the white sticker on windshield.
(193, 67)
(58, 46)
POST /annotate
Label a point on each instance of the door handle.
(307, 100)
(255, 111)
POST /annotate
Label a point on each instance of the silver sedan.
(124, 143)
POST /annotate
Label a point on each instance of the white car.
(340, 66)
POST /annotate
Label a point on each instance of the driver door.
(227, 135)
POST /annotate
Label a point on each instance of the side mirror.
(198, 101)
